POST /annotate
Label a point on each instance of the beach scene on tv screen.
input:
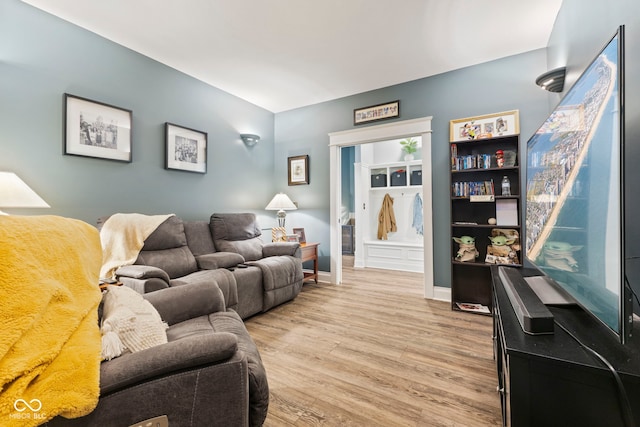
(573, 219)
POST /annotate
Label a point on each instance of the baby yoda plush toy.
(500, 250)
(467, 250)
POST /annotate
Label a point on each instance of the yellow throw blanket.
(49, 335)
(123, 236)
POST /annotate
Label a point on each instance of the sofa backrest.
(199, 238)
(237, 232)
(166, 248)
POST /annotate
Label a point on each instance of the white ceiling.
(284, 54)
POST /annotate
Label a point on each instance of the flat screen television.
(574, 212)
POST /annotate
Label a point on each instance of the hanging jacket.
(418, 222)
(386, 218)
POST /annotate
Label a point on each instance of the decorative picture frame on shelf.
(278, 234)
(374, 113)
(488, 126)
(185, 148)
(298, 170)
(300, 233)
(95, 129)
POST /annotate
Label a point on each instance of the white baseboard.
(324, 276)
(441, 293)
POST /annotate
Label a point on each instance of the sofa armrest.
(189, 352)
(179, 303)
(217, 260)
(143, 278)
(142, 272)
(142, 286)
(281, 248)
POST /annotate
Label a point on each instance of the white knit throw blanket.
(122, 237)
(129, 322)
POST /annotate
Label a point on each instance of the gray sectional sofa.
(226, 251)
(204, 278)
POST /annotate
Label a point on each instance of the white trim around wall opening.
(388, 131)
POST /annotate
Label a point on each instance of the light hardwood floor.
(374, 352)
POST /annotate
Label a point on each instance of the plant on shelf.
(409, 146)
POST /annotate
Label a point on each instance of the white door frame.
(395, 130)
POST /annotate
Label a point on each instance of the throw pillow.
(129, 322)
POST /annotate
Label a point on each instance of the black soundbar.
(534, 317)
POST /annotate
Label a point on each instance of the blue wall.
(42, 57)
(506, 84)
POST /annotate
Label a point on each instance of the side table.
(309, 252)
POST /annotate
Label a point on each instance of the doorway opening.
(357, 137)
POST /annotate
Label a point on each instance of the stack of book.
(472, 188)
(471, 161)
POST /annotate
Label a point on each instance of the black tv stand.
(550, 380)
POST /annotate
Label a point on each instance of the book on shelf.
(473, 307)
(454, 156)
(471, 161)
(472, 188)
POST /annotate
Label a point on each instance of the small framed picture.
(298, 168)
(376, 112)
(300, 233)
(186, 149)
(488, 126)
(292, 238)
(95, 129)
(278, 234)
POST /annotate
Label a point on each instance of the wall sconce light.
(281, 203)
(249, 139)
(553, 80)
(14, 193)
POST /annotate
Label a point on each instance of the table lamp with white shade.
(14, 193)
(281, 203)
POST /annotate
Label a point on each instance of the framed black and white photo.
(186, 149)
(95, 129)
(298, 170)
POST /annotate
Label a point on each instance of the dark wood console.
(550, 380)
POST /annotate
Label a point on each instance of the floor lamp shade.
(14, 193)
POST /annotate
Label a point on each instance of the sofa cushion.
(219, 260)
(199, 237)
(177, 262)
(250, 250)
(234, 226)
(237, 232)
(221, 278)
